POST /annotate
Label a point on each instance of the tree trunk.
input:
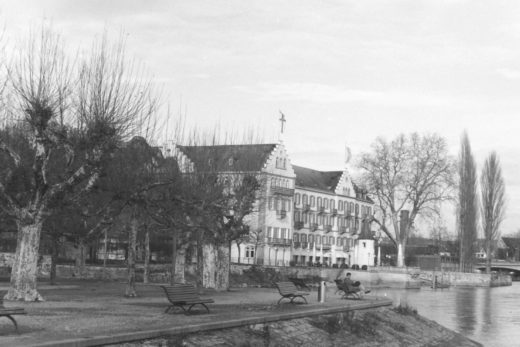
(174, 256)
(146, 271)
(488, 256)
(24, 269)
(179, 265)
(400, 254)
(222, 267)
(54, 259)
(132, 241)
(105, 250)
(238, 247)
(209, 273)
(200, 261)
(80, 259)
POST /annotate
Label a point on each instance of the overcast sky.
(343, 72)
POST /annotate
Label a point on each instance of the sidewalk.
(83, 313)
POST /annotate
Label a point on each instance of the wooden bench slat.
(184, 295)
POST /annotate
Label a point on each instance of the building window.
(319, 202)
(297, 216)
(269, 232)
(311, 238)
(283, 234)
(331, 240)
(340, 205)
(306, 218)
(250, 252)
(276, 233)
(304, 199)
(332, 204)
(326, 201)
(303, 237)
(270, 203)
(297, 198)
(313, 201)
(318, 239)
(357, 209)
(296, 237)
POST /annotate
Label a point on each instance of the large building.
(302, 216)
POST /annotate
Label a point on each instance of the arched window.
(320, 219)
(319, 202)
(313, 201)
(297, 198)
(340, 205)
(306, 218)
(304, 199)
(352, 207)
(318, 239)
(303, 237)
(357, 209)
(311, 238)
(297, 216)
(326, 202)
(331, 240)
(332, 204)
(296, 237)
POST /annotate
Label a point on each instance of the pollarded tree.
(493, 203)
(82, 110)
(407, 177)
(467, 210)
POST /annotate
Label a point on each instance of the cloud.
(510, 74)
(324, 93)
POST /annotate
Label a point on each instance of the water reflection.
(465, 311)
(490, 316)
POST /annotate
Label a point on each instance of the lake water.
(490, 316)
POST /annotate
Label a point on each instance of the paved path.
(92, 313)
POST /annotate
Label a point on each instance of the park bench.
(9, 312)
(181, 295)
(300, 283)
(289, 291)
(348, 293)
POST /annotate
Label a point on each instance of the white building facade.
(301, 216)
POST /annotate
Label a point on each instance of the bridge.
(513, 268)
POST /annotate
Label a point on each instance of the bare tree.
(85, 110)
(407, 177)
(467, 216)
(493, 203)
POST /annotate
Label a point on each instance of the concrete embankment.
(373, 327)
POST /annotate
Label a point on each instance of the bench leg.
(283, 297)
(14, 322)
(189, 309)
(298, 296)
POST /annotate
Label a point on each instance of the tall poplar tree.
(467, 214)
(493, 203)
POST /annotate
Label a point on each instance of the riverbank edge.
(371, 327)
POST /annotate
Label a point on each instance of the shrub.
(405, 310)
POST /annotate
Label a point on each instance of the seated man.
(354, 286)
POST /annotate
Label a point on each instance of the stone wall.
(7, 259)
(371, 277)
(468, 279)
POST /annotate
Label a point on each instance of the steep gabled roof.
(321, 180)
(217, 158)
(511, 242)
